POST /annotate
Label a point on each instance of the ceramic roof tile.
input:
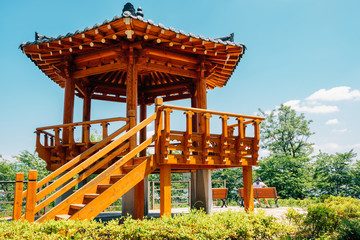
(139, 17)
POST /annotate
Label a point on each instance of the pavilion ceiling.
(167, 60)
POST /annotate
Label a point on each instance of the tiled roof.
(228, 40)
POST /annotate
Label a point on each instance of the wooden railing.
(198, 146)
(52, 146)
(78, 169)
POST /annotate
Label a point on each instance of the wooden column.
(203, 176)
(195, 128)
(248, 188)
(69, 98)
(165, 190)
(31, 196)
(140, 189)
(19, 185)
(129, 199)
(87, 107)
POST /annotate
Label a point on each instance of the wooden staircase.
(116, 159)
(91, 199)
(101, 192)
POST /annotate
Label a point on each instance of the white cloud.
(335, 94)
(332, 122)
(340, 130)
(327, 147)
(311, 107)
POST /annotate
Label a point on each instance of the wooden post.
(256, 145)
(165, 190)
(87, 107)
(158, 128)
(19, 185)
(206, 137)
(105, 133)
(165, 141)
(31, 196)
(86, 111)
(240, 140)
(132, 198)
(143, 131)
(203, 176)
(248, 188)
(69, 98)
(224, 136)
(187, 140)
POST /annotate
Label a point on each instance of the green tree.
(355, 176)
(332, 173)
(284, 132)
(289, 175)
(26, 161)
(234, 180)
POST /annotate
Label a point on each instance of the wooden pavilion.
(132, 60)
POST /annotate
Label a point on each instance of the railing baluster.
(46, 137)
(206, 137)
(31, 196)
(19, 185)
(187, 137)
(240, 140)
(86, 137)
(166, 134)
(256, 145)
(223, 139)
(104, 129)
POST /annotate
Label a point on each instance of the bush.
(327, 217)
(196, 225)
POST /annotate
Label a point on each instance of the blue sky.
(304, 53)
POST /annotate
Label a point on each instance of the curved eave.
(49, 53)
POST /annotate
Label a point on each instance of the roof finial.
(140, 12)
(128, 7)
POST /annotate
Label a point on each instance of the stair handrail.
(84, 123)
(201, 110)
(107, 149)
(78, 158)
(101, 153)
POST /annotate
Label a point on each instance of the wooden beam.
(166, 69)
(100, 69)
(109, 98)
(170, 55)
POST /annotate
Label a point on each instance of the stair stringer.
(91, 187)
(117, 190)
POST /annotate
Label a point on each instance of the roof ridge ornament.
(140, 12)
(128, 10)
(229, 37)
(40, 38)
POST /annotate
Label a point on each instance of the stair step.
(117, 177)
(77, 206)
(102, 187)
(91, 195)
(128, 168)
(62, 217)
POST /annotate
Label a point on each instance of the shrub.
(196, 225)
(327, 217)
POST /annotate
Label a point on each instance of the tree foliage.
(289, 175)
(284, 132)
(333, 173)
(234, 180)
